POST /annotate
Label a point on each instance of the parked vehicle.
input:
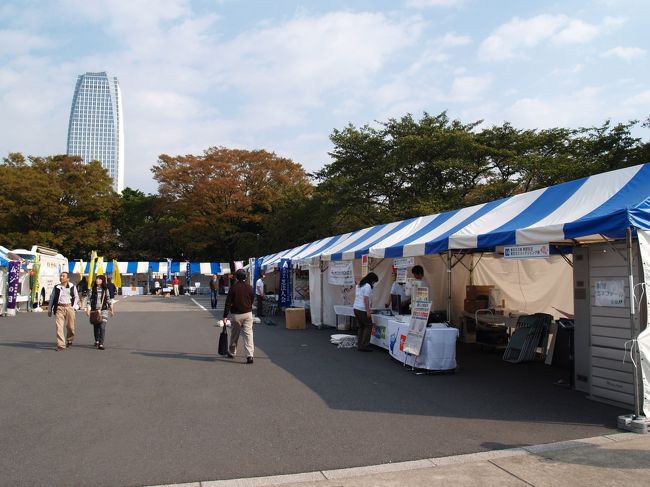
(51, 264)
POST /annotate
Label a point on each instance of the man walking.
(214, 290)
(239, 304)
(62, 300)
(259, 294)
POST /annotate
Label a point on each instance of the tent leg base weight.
(634, 424)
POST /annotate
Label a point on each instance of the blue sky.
(281, 75)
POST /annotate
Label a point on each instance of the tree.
(56, 201)
(221, 197)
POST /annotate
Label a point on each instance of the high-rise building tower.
(96, 128)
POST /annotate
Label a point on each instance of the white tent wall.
(528, 285)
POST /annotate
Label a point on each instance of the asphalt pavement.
(159, 407)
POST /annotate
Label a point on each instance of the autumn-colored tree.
(58, 202)
(220, 199)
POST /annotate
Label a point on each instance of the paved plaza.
(159, 407)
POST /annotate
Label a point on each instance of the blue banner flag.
(188, 274)
(12, 285)
(284, 299)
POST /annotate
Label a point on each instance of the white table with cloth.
(132, 291)
(438, 348)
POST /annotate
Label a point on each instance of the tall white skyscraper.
(96, 128)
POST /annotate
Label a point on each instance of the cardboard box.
(478, 292)
(295, 318)
(471, 305)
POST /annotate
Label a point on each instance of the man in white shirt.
(418, 281)
(259, 294)
(62, 303)
(398, 289)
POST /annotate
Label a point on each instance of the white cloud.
(519, 34)
(434, 3)
(469, 88)
(451, 39)
(513, 38)
(576, 32)
(626, 53)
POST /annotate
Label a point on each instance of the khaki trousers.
(242, 323)
(64, 314)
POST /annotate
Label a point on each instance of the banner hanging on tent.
(284, 299)
(341, 273)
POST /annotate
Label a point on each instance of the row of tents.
(595, 228)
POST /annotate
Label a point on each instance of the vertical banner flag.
(36, 270)
(188, 275)
(169, 271)
(252, 277)
(13, 268)
(81, 269)
(284, 300)
(91, 269)
(117, 275)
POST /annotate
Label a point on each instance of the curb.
(345, 473)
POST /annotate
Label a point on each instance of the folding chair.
(530, 333)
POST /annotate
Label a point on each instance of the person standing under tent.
(363, 311)
(112, 289)
(82, 291)
(62, 302)
(214, 290)
(176, 282)
(100, 300)
(239, 304)
(398, 289)
(260, 294)
(418, 281)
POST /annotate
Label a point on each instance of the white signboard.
(417, 327)
(341, 274)
(610, 293)
(402, 275)
(526, 251)
(403, 262)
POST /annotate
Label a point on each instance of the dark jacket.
(54, 298)
(105, 303)
(239, 299)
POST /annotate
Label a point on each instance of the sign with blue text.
(188, 273)
(526, 251)
(284, 298)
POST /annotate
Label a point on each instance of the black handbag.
(223, 341)
(96, 317)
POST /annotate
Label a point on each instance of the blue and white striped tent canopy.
(206, 268)
(603, 204)
(4, 258)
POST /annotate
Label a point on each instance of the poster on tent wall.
(284, 298)
(13, 270)
(402, 265)
(341, 273)
(610, 292)
(364, 266)
(644, 336)
(417, 327)
(526, 251)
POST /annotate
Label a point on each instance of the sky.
(282, 75)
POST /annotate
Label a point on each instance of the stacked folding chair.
(530, 333)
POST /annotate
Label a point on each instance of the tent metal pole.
(449, 286)
(320, 266)
(5, 290)
(633, 333)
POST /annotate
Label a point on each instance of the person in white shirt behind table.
(418, 281)
(398, 289)
(363, 311)
(260, 294)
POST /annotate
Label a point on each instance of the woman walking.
(363, 311)
(98, 307)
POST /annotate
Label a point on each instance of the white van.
(52, 265)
